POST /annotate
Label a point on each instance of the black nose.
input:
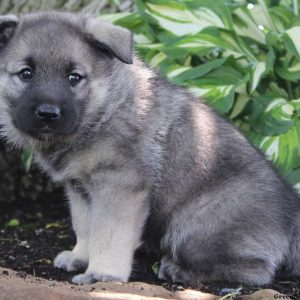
(48, 112)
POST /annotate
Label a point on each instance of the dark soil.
(45, 230)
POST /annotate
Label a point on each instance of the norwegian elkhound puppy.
(143, 161)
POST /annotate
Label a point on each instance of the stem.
(296, 7)
(289, 90)
(297, 91)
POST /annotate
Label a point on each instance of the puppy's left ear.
(115, 40)
(8, 24)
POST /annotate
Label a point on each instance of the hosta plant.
(242, 57)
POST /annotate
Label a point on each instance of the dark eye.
(74, 78)
(26, 74)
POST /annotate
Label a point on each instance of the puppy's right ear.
(8, 24)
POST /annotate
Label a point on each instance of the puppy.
(143, 161)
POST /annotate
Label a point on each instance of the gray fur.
(143, 161)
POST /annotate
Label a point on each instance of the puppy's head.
(55, 72)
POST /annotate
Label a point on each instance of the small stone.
(24, 244)
(11, 257)
(5, 272)
(39, 231)
(226, 291)
(21, 274)
(265, 294)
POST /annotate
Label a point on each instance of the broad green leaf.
(274, 89)
(177, 71)
(258, 70)
(281, 17)
(115, 17)
(131, 21)
(292, 73)
(294, 179)
(259, 16)
(272, 115)
(260, 41)
(245, 26)
(144, 43)
(265, 21)
(292, 41)
(217, 6)
(220, 97)
(199, 71)
(296, 104)
(283, 149)
(239, 105)
(202, 43)
(179, 20)
(156, 59)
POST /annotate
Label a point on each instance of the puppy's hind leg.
(292, 261)
(77, 259)
(169, 270)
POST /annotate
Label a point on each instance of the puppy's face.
(54, 72)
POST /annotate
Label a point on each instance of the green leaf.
(245, 25)
(179, 20)
(13, 223)
(283, 149)
(292, 73)
(199, 71)
(260, 41)
(272, 115)
(281, 17)
(220, 97)
(202, 43)
(217, 6)
(157, 59)
(26, 158)
(296, 104)
(239, 105)
(258, 70)
(155, 267)
(292, 41)
(294, 179)
(53, 225)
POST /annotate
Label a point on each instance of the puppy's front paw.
(68, 261)
(92, 277)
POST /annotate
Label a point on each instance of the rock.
(195, 295)
(266, 294)
(16, 287)
(29, 287)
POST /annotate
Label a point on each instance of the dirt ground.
(45, 230)
(35, 226)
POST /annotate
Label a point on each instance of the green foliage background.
(93, 7)
(242, 57)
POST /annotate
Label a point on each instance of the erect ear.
(115, 40)
(8, 24)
